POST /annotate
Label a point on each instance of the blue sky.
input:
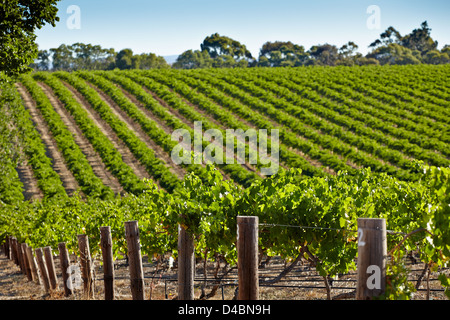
(170, 27)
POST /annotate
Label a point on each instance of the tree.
(62, 58)
(446, 49)
(42, 63)
(390, 35)
(124, 59)
(18, 21)
(193, 59)
(92, 57)
(278, 53)
(420, 39)
(217, 45)
(364, 61)
(436, 57)
(152, 61)
(395, 54)
(348, 55)
(325, 54)
(415, 47)
(226, 61)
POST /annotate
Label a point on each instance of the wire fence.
(301, 276)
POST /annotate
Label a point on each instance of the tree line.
(81, 56)
(19, 52)
(217, 51)
(391, 48)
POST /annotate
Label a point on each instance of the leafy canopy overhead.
(18, 21)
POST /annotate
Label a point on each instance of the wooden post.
(14, 254)
(8, 247)
(186, 264)
(21, 258)
(33, 265)
(42, 268)
(50, 268)
(372, 252)
(23, 254)
(26, 263)
(247, 251)
(86, 265)
(64, 263)
(108, 263)
(135, 260)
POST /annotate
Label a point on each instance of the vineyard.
(87, 149)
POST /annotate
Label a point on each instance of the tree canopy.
(217, 51)
(80, 56)
(414, 48)
(18, 21)
(391, 48)
(280, 54)
(217, 45)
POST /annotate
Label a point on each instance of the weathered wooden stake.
(247, 251)
(14, 254)
(8, 247)
(186, 264)
(26, 264)
(86, 265)
(50, 268)
(21, 258)
(42, 268)
(64, 263)
(372, 252)
(108, 263)
(135, 260)
(33, 265)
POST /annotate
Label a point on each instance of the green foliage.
(296, 213)
(397, 285)
(10, 185)
(109, 154)
(391, 48)
(282, 54)
(18, 22)
(414, 48)
(193, 60)
(90, 184)
(81, 56)
(19, 135)
(154, 166)
(334, 119)
(217, 45)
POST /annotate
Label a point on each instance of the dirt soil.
(302, 283)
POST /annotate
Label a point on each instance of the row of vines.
(349, 140)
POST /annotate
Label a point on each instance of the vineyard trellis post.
(7, 247)
(42, 269)
(20, 256)
(86, 265)
(64, 263)
(186, 264)
(33, 266)
(14, 254)
(26, 264)
(50, 268)
(135, 260)
(108, 263)
(247, 252)
(372, 254)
